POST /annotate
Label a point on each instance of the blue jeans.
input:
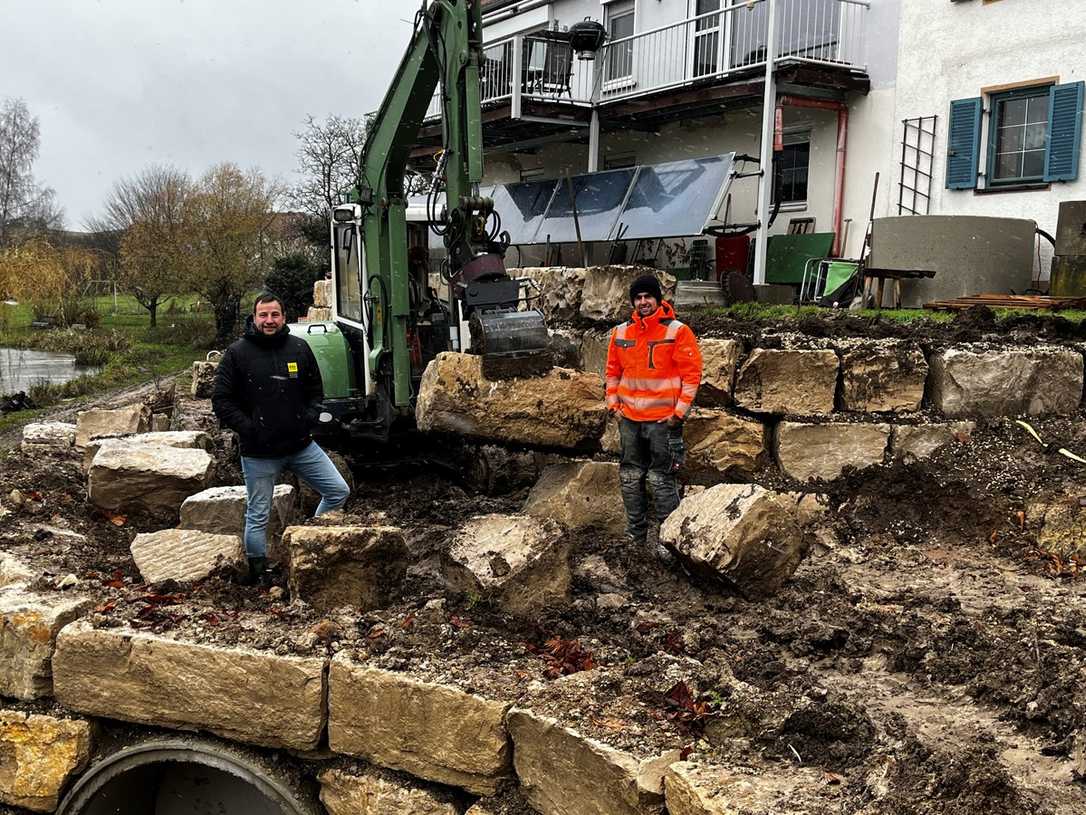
(311, 464)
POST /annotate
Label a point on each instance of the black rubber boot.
(258, 567)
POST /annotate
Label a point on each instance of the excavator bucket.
(511, 343)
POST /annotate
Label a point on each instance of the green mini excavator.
(388, 320)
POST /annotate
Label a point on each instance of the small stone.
(67, 582)
(611, 601)
(38, 756)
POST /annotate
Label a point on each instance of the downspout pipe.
(839, 173)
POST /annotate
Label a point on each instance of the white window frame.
(799, 136)
(625, 7)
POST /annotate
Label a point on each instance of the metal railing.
(706, 47)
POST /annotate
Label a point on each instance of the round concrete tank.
(187, 776)
(969, 254)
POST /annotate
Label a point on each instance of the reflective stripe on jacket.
(653, 367)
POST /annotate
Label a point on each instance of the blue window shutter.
(1064, 132)
(963, 144)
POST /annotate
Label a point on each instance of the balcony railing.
(698, 49)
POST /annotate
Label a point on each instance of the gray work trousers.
(646, 463)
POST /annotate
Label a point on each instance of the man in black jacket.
(268, 389)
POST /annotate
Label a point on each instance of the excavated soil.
(927, 656)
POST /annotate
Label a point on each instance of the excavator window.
(348, 273)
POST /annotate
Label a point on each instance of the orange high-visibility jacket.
(653, 367)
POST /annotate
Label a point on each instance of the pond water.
(21, 368)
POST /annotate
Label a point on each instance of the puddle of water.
(21, 368)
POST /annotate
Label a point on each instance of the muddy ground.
(927, 657)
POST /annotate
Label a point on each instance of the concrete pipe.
(187, 776)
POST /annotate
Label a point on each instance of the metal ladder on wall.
(917, 156)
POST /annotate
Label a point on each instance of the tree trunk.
(226, 318)
(152, 307)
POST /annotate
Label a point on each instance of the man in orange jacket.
(653, 373)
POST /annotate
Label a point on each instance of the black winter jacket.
(268, 389)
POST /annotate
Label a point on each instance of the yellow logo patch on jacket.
(292, 369)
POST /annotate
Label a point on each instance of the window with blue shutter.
(963, 144)
(1065, 132)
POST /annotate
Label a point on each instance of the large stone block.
(559, 290)
(562, 772)
(883, 377)
(48, 437)
(1063, 526)
(322, 294)
(698, 789)
(435, 732)
(743, 534)
(222, 510)
(519, 563)
(579, 495)
(185, 555)
(203, 378)
(316, 314)
(975, 381)
(366, 792)
(562, 409)
(38, 756)
(917, 442)
(723, 442)
(360, 567)
(795, 382)
(719, 360)
(252, 697)
(92, 424)
(823, 451)
(594, 345)
(29, 624)
(180, 439)
(150, 477)
(606, 293)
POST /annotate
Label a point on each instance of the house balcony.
(532, 85)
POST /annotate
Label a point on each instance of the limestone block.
(29, 624)
(334, 566)
(719, 360)
(611, 443)
(797, 382)
(92, 424)
(185, 555)
(181, 439)
(921, 441)
(810, 451)
(48, 437)
(365, 792)
(746, 535)
(1063, 526)
(249, 696)
(579, 495)
(517, 562)
(222, 510)
(316, 314)
(160, 423)
(322, 294)
(606, 293)
(203, 378)
(594, 345)
(884, 377)
(38, 755)
(13, 570)
(723, 442)
(435, 732)
(975, 381)
(562, 772)
(559, 290)
(562, 409)
(697, 789)
(150, 477)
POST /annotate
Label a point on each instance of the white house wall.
(1008, 41)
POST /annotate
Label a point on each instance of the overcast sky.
(119, 85)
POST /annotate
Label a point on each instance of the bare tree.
(329, 163)
(22, 201)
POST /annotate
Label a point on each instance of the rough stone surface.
(578, 495)
(435, 732)
(13, 570)
(48, 437)
(317, 315)
(256, 698)
(694, 789)
(594, 344)
(562, 772)
(518, 562)
(322, 294)
(38, 755)
(747, 535)
(723, 442)
(203, 378)
(606, 293)
(1062, 526)
(185, 555)
(29, 624)
(365, 792)
(181, 439)
(562, 409)
(333, 566)
(222, 510)
(559, 290)
(719, 359)
(91, 424)
(917, 442)
(796, 382)
(810, 451)
(883, 377)
(151, 477)
(1006, 382)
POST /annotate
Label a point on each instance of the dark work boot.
(258, 566)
